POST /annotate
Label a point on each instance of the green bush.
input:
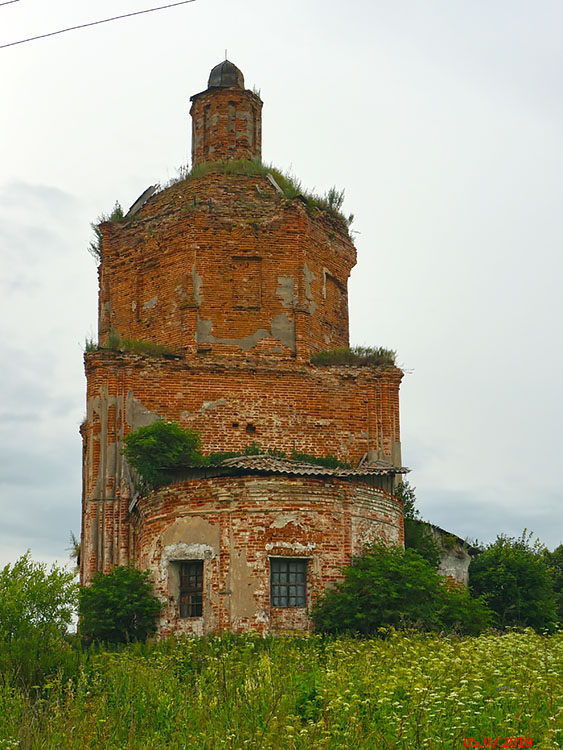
(118, 607)
(512, 576)
(159, 447)
(388, 586)
(36, 609)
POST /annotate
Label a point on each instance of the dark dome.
(226, 76)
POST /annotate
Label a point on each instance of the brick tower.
(242, 283)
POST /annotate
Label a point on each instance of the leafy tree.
(118, 607)
(554, 563)
(37, 606)
(158, 447)
(512, 576)
(418, 534)
(389, 586)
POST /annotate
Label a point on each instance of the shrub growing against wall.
(389, 586)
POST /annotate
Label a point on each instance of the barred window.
(191, 588)
(288, 582)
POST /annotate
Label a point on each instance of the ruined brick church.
(243, 285)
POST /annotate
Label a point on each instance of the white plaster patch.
(282, 519)
(213, 404)
(151, 303)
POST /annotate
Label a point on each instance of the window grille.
(288, 582)
(191, 588)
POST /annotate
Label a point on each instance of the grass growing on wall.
(301, 693)
(95, 245)
(355, 355)
(290, 185)
(115, 343)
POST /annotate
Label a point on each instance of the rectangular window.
(288, 582)
(191, 588)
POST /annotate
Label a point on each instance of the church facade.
(237, 286)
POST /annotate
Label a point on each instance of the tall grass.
(400, 691)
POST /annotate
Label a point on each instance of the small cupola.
(226, 118)
(226, 75)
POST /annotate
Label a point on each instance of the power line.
(8, 2)
(92, 23)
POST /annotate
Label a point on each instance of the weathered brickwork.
(243, 286)
(237, 524)
(226, 124)
(224, 264)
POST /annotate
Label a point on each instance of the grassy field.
(399, 691)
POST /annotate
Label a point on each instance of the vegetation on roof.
(254, 449)
(115, 343)
(355, 355)
(160, 450)
(291, 187)
(95, 246)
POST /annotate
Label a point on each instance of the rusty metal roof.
(269, 464)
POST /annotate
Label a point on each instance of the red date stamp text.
(497, 741)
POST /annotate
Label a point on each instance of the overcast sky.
(443, 122)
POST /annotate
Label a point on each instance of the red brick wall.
(344, 411)
(235, 524)
(226, 124)
(223, 263)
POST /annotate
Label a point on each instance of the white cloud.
(444, 124)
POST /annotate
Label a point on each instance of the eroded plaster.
(309, 278)
(197, 282)
(286, 291)
(153, 302)
(204, 336)
(136, 415)
(241, 583)
(283, 329)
